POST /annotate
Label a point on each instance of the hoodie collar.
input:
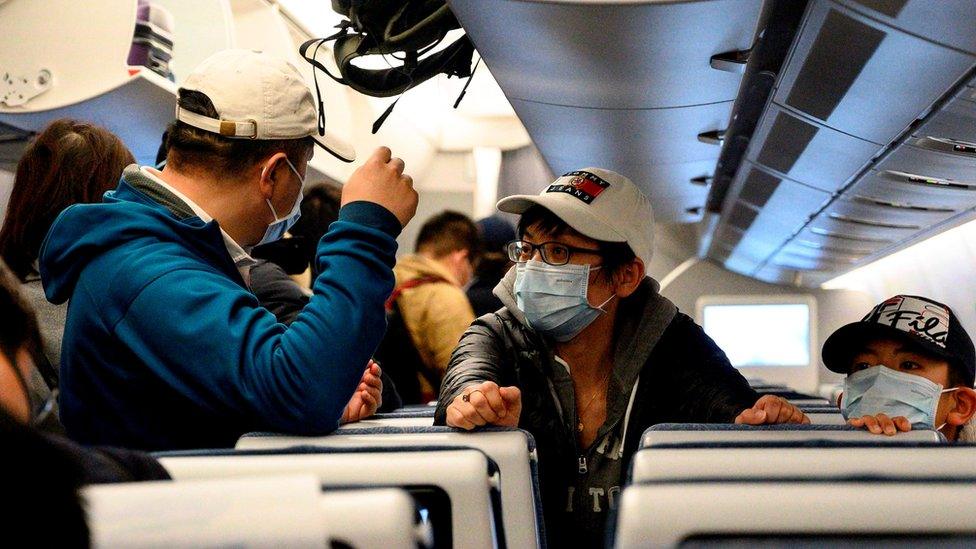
(148, 181)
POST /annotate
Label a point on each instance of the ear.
(628, 278)
(270, 174)
(964, 409)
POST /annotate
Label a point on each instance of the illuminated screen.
(760, 334)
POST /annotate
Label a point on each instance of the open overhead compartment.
(864, 78)
(807, 151)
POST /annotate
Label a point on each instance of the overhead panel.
(946, 22)
(624, 56)
(807, 151)
(911, 191)
(955, 121)
(770, 209)
(864, 78)
(932, 159)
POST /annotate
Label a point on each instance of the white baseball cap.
(258, 96)
(599, 204)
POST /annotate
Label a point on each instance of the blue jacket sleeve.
(210, 340)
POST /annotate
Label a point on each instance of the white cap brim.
(336, 146)
(579, 217)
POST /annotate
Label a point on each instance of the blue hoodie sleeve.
(211, 341)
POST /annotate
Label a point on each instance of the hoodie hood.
(414, 266)
(126, 218)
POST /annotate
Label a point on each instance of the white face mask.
(882, 390)
(276, 229)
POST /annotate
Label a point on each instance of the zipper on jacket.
(582, 465)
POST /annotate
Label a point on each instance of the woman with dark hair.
(586, 354)
(70, 162)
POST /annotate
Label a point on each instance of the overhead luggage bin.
(830, 460)
(512, 449)
(947, 22)
(576, 58)
(807, 514)
(889, 77)
(956, 120)
(270, 511)
(691, 434)
(862, 229)
(464, 517)
(914, 191)
(833, 241)
(932, 159)
(883, 214)
(615, 137)
(807, 151)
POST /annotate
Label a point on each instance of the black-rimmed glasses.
(553, 253)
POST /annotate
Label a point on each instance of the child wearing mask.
(909, 365)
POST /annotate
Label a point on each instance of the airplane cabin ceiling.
(624, 86)
(865, 142)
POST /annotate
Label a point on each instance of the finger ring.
(466, 397)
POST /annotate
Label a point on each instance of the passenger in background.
(587, 354)
(909, 364)
(39, 459)
(165, 347)
(428, 308)
(495, 233)
(69, 162)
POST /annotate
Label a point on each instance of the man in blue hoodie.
(165, 347)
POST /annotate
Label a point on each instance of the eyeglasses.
(553, 253)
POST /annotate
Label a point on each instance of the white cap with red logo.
(597, 203)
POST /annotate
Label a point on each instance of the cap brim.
(838, 348)
(335, 146)
(576, 216)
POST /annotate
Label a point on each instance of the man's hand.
(771, 409)
(367, 398)
(485, 404)
(381, 181)
(882, 424)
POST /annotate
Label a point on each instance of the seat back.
(466, 476)
(817, 460)
(690, 434)
(512, 449)
(267, 511)
(666, 514)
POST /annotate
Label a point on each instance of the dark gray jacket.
(665, 370)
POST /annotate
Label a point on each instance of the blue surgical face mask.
(276, 229)
(553, 298)
(882, 390)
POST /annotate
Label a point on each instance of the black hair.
(320, 209)
(448, 232)
(190, 148)
(615, 254)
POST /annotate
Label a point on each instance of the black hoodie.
(666, 370)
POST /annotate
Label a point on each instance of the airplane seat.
(409, 411)
(685, 434)
(279, 511)
(514, 451)
(456, 489)
(770, 512)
